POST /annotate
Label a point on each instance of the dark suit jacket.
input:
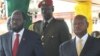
(55, 33)
(91, 48)
(30, 44)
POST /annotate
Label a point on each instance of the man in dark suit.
(26, 43)
(89, 46)
(53, 31)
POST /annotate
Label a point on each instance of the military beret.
(45, 2)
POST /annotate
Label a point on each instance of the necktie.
(79, 46)
(15, 47)
(45, 25)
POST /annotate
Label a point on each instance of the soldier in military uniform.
(53, 31)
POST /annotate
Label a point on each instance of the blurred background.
(62, 8)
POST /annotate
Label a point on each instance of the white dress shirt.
(14, 36)
(84, 38)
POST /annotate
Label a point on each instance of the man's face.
(80, 26)
(47, 12)
(17, 21)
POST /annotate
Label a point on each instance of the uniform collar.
(49, 20)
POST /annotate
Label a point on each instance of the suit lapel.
(50, 24)
(74, 47)
(88, 46)
(70, 48)
(22, 43)
(9, 41)
(41, 27)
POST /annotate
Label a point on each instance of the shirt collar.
(20, 33)
(84, 38)
(49, 20)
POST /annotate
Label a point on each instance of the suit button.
(42, 38)
(43, 43)
(52, 36)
